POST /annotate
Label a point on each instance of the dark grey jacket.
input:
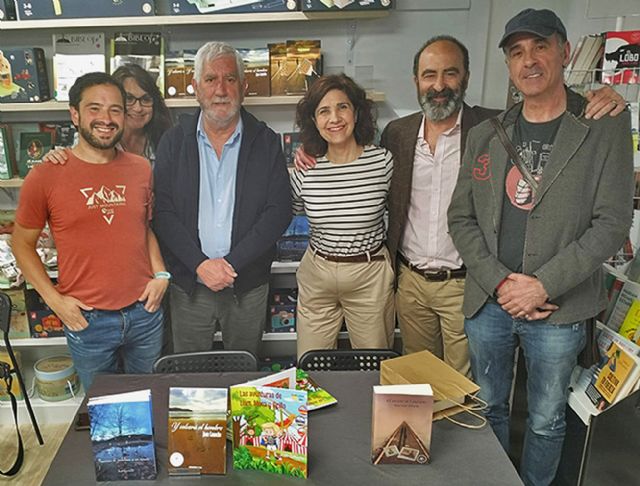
(581, 216)
(261, 213)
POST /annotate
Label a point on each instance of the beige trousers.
(361, 294)
(430, 317)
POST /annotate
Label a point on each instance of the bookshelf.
(171, 20)
(187, 102)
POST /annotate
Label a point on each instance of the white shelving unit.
(30, 351)
(159, 20)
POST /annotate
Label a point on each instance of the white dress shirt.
(426, 242)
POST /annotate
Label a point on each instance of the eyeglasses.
(145, 100)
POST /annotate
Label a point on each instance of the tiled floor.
(37, 458)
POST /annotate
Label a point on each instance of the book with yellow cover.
(631, 321)
(619, 373)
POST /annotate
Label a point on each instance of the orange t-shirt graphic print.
(105, 200)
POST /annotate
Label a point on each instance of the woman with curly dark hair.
(345, 275)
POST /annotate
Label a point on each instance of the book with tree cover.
(122, 436)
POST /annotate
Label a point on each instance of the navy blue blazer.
(261, 213)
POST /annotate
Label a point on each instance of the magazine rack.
(6, 372)
(345, 359)
(604, 451)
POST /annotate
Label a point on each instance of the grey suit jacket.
(581, 216)
(400, 138)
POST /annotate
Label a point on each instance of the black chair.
(344, 359)
(206, 361)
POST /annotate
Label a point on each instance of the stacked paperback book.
(267, 424)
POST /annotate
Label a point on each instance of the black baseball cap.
(540, 22)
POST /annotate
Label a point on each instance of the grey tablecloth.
(339, 441)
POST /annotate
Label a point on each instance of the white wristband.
(163, 275)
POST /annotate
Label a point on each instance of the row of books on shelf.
(608, 58)
(278, 69)
(64, 9)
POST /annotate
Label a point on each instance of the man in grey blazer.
(534, 238)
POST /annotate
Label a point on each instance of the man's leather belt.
(363, 257)
(435, 275)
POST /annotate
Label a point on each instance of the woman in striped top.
(346, 274)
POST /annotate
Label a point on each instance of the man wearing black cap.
(534, 215)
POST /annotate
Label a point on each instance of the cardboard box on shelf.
(23, 75)
(42, 320)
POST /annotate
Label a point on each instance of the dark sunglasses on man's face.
(145, 100)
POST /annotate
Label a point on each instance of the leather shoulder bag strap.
(5, 374)
(515, 156)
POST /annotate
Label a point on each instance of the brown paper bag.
(452, 391)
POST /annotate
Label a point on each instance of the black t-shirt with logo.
(534, 143)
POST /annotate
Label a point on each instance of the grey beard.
(436, 112)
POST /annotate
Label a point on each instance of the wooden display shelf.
(15, 182)
(170, 20)
(187, 102)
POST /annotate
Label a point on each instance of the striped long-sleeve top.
(345, 203)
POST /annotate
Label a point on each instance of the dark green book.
(6, 153)
(33, 147)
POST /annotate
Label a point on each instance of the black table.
(339, 441)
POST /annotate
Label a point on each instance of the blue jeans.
(131, 333)
(550, 353)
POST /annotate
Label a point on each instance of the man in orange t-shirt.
(111, 274)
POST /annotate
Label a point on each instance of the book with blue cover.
(122, 436)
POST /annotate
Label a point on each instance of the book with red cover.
(621, 63)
